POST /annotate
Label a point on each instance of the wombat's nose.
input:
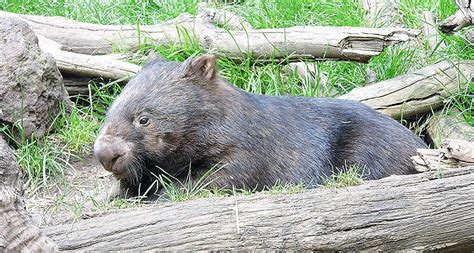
(108, 152)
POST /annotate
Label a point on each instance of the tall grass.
(104, 11)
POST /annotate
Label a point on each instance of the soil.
(80, 193)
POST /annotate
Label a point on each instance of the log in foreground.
(17, 231)
(418, 92)
(425, 211)
(345, 43)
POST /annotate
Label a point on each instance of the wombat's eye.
(143, 120)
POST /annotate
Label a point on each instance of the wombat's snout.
(108, 151)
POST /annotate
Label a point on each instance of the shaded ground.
(79, 194)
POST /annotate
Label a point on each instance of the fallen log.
(105, 66)
(462, 18)
(311, 77)
(470, 37)
(344, 43)
(224, 18)
(451, 154)
(396, 213)
(430, 32)
(17, 231)
(442, 127)
(382, 13)
(418, 92)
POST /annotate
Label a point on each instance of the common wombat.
(173, 116)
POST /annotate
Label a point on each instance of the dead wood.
(345, 43)
(106, 66)
(385, 215)
(442, 127)
(382, 13)
(370, 76)
(452, 154)
(17, 231)
(430, 31)
(311, 77)
(224, 18)
(418, 92)
(470, 37)
(462, 18)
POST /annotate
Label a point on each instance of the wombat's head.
(153, 124)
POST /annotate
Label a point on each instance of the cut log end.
(452, 154)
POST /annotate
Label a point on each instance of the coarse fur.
(197, 120)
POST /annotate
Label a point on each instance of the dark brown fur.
(198, 120)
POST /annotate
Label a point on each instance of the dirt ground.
(80, 193)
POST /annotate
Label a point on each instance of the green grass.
(349, 175)
(37, 157)
(275, 14)
(75, 130)
(104, 11)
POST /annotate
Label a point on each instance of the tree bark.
(418, 92)
(17, 231)
(452, 154)
(344, 43)
(425, 211)
(462, 18)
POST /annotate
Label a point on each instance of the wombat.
(172, 117)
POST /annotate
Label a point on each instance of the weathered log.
(462, 18)
(382, 13)
(311, 76)
(76, 85)
(370, 77)
(395, 213)
(418, 92)
(106, 66)
(452, 154)
(17, 231)
(225, 18)
(430, 32)
(346, 43)
(442, 127)
(470, 37)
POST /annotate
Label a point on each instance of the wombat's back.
(298, 139)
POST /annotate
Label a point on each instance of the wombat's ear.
(203, 66)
